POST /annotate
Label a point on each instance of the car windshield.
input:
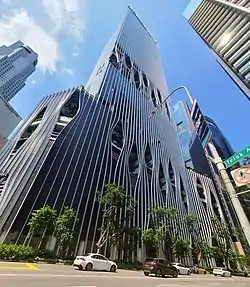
(149, 259)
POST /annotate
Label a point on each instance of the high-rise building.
(195, 157)
(76, 141)
(185, 129)
(9, 119)
(17, 63)
(224, 26)
(221, 143)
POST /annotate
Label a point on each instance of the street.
(41, 275)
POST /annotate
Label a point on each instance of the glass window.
(100, 257)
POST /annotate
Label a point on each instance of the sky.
(69, 36)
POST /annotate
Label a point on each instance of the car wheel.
(215, 274)
(175, 274)
(113, 268)
(146, 273)
(223, 275)
(89, 267)
(80, 267)
(158, 273)
(188, 273)
(179, 272)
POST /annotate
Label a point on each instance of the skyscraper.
(17, 63)
(219, 140)
(224, 26)
(9, 119)
(185, 129)
(196, 159)
(76, 141)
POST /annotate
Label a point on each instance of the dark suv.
(159, 267)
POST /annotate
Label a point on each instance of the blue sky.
(69, 36)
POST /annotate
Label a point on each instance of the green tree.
(223, 238)
(42, 223)
(164, 232)
(64, 229)
(181, 248)
(149, 238)
(206, 251)
(118, 210)
(198, 245)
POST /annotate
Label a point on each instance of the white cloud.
(33, 82)
(67, 16)
(76, 54)
(19, 25)
(68, 71)
(6, 2)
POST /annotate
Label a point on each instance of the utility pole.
(231, 192)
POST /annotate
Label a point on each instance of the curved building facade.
(76, 141)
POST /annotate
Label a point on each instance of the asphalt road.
(43, 275)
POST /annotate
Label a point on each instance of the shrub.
(46, 254)
(16, 252)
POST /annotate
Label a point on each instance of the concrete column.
(51, 243)
(81, 247)
(244, 222)
(139, 254)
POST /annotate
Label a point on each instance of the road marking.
(22, 266)
(14, 267)
(31, 266)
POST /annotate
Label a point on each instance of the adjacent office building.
(219, 140)
(224, 26)
(75, 141)
(17, 63)
(185, 129)
(194, 130)
(9, 119)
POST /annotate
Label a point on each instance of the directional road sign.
(237, 156)
(241, 175)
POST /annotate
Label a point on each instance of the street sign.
(237, 156)
(241, 175)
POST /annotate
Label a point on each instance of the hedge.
(16, 252)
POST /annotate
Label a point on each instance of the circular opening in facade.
(145, 80)
(128, 62)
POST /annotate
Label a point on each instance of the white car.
(221, 272)
(182, 270)
(94, 261)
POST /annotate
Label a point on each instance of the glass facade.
(224, 26)
(185, 128)
(219, 140)
(17, 63)
(9, 119)
(195, 157)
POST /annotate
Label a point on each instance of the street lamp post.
(169, 95)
